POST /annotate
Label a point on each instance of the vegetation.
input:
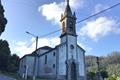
(4, 55)
(109, 67)
(3, 20)
(8, 62)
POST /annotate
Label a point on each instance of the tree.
(4, 55)
(104, 74)
(3, 20)
(114, 69)
(13, 63)
(91, 76)
(8, 62)
(90, 61)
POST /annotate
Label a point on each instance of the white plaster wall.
(41, 65)
(62, 59)
(72, 41)
(51, 59)
(30, 64)
(81, 61)
(41, 51)
(26, 64)
(63, 39)
(63, 55)
(21, 68)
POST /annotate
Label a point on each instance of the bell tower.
(68, 21)
(69, 37)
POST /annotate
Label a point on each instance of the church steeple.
(68, 21)
(68, 11)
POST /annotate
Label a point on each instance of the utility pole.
(35, 59)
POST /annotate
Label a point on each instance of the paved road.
(2, 77)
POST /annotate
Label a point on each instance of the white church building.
(64, 62)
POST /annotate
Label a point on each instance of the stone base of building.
(59, 77)
(63, 77)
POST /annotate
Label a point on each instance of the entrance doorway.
(73, 71)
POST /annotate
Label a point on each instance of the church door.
(73, 71)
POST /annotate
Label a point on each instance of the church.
(66, 61)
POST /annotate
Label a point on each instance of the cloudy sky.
(99, 35)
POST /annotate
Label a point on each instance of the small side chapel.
(64, 62)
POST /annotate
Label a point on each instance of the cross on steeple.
(67, 2)
(68, 9)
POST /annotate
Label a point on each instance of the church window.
(53, 53)
(45, 59)
(53, 65)
(63, 26)
(71, 26)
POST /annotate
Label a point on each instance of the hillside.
(109, 66)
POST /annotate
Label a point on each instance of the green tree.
(3, 20)
(13, 63)
(104, 74)
(113, 69)
(4, 55)
(112, 77)
(91, 76)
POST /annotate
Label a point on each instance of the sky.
(99, 35)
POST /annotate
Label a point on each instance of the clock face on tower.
(71, 46)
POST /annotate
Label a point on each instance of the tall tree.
(4, 55)
(3, 20)
(13, 63)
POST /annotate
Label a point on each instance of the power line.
(30, 44)
(43, 36)
(49, 33)
(102, 11)
(26, 46)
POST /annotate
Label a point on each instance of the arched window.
(63, 26)
(45, 59)
(53, 53)
(53, 65)
(71, 26)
